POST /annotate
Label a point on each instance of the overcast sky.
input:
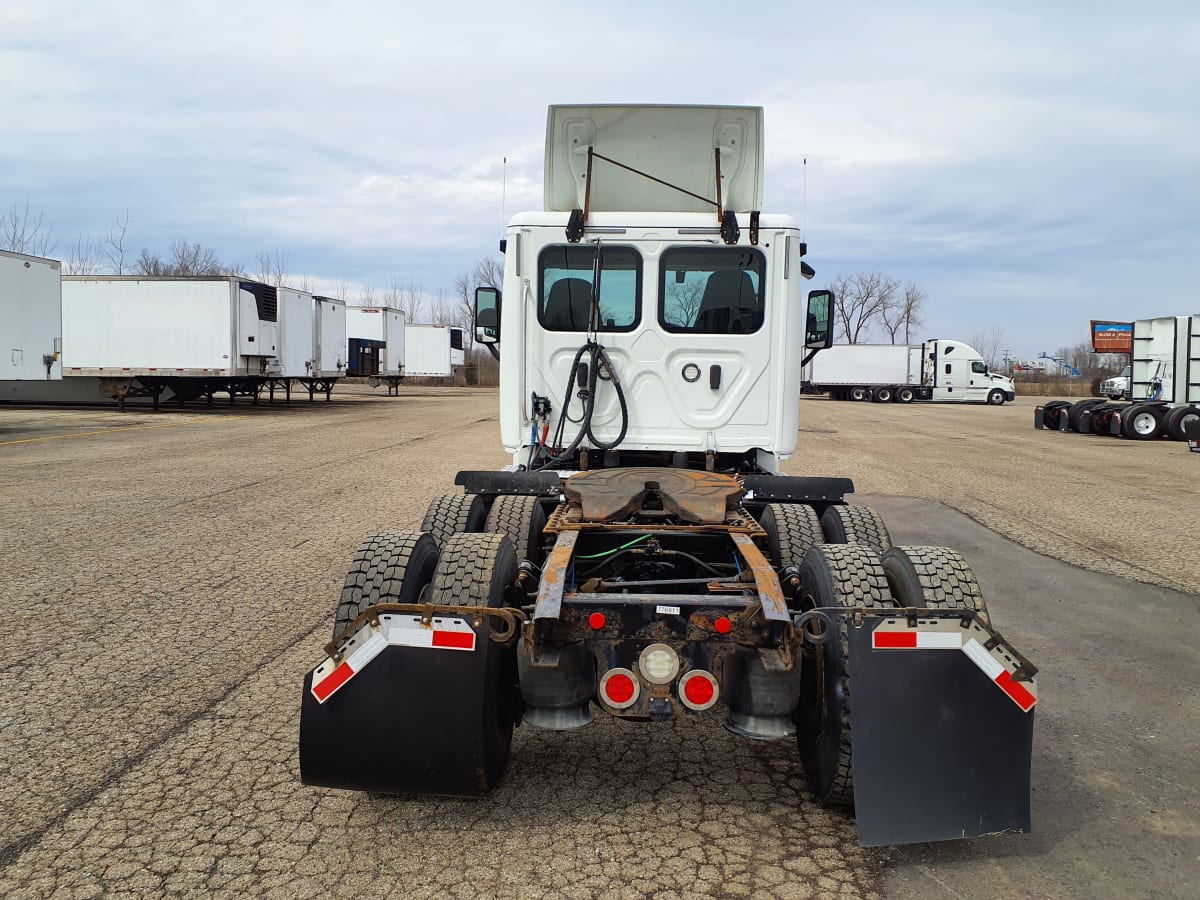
(1031, 165)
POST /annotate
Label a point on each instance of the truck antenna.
(503, 193)
(804, 198)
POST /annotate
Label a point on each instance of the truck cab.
(1117, 387)
(956, 371)
(702, 317)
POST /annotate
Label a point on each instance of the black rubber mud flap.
(940, 751)
(414, 720)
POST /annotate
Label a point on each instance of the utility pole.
(1007, 367)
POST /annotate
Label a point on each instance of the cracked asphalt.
(168, 578)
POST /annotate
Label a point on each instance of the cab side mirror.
(487, 315)
(818, 333)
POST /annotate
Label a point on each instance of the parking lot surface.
(168, 578)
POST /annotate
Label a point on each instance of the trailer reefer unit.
(375, 342)
(429, 350)
(30, 318)
(940, 370)
(642, 558)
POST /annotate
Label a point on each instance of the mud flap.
(941, 748)
(418, 720)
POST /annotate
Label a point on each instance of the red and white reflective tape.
(948, 634)
(393, 631)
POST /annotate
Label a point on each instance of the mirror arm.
(808, 357)
(495, 351)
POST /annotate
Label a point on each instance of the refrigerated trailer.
(30, 320)
(1163, 387)
(140, 336)
(432, 351)
(940, 370)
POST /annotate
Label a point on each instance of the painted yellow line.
(60, 437)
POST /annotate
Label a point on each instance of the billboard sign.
(1112, 337)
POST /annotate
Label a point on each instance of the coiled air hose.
(598, 358)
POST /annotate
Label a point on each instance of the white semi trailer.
(643, 557)
(30, 321)
(432, 350)
(939, 370)
(131, 335)
(375, 345)
(312, 343)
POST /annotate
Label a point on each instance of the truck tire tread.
(522, 518)
(932, 576)
(389, 567)
(849, 524)
(452, 514)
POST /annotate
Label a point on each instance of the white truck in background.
(30, 319)
(939, 370)
(1117, 387)
(432, 351)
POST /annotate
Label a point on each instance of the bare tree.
(989, 342)
(84, 257)
(272, 266)
(187, 258)
(441, 310)
(113, 245)
(22, 232)
(903, 313)
(412, 301)
(305, 284)
(861, 300)
(682, 302)
(341, 292)
(489, 272)
(366, 296)
(392, 294)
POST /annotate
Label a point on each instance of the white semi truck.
(30, 321)
(643, 557)
(939, 370)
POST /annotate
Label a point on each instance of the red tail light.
(698, 690)
(597, 621)
(619, 688)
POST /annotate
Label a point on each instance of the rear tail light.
(698, 690)
(619, 688)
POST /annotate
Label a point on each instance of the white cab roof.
(673, 143)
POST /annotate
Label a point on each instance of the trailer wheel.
(475, 570)
(932, 576)
(859, 394)
(833, 576)
(855, 525)
(452, 514)
(1178, 418)
(1142, 422)
(996, 397)
(523, 519)
(904, 395)
(1077, 409)
(389, 567)
(882, 395)
(792, 528)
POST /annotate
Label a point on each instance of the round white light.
(658, 664)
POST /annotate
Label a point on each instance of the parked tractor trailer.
(938, 370)
(643, 557)
(1163, 388)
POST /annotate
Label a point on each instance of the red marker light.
(722, 624)
(597, 620)
(619, 688)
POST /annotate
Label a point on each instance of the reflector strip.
(394, 631)
(938, 635)
(916, 640)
